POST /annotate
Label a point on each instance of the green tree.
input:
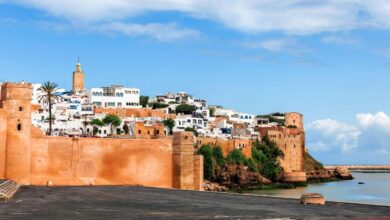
(266, 155)
(218, 156)
(192, 130)
(212, 112)
(112, 121)
(236, 157)
(96, 123)
(157, 105)
(170, 124)
(185, 109)
(49, 96)
(144, 100)
(252, 166)
(208, 169)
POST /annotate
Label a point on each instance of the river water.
(376, 190)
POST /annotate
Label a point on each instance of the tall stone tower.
(16, 102)
(294, 119)
(78, 80)
(187, 167)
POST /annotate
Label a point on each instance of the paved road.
(150, 203)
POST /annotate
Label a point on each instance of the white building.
(182, 122)
(114, 97)
(234, 116)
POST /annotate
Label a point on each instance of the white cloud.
(339, 40)
(379, 120)
(328, 134)
(371, 134)
(164, 32)
(274, 45)
(291, 16)
(161, 32)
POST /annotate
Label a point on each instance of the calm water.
(376, 190)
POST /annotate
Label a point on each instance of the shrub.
(236, 157)
(192, 130)
(266, 156)
(185, 109)
(218, 155)
(157, 105)
(207, 152)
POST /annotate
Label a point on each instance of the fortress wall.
(29, 157)
(3, 134)
(93, 161)
(228, 145)
(292, 146)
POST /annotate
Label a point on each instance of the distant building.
(114, 96)
(78, 80)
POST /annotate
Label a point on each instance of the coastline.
(366, 188)
(360, 167)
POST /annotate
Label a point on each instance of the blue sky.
(329, 60)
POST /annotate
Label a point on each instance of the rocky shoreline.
(236, 178)
(233, 177)
(326, 175)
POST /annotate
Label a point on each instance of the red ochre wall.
(31, 158)
(3, 134)
(91, 161)
(228, 145)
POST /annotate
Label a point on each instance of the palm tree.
(49, 96)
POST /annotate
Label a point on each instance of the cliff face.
(233, 176)
(316, 172)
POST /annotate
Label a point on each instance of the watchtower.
(16, 103)
(183, 160)
(294, 119)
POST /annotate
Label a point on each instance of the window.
(110, 103)
(19, 127)
(20, 109)
(105, 132)
(148, 132)
(139, 131)
(158, 132)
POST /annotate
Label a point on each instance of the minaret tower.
(78, 79)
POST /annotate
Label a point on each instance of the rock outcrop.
(215, 187)
(239, 176)
(316, 172)
(342, 173)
